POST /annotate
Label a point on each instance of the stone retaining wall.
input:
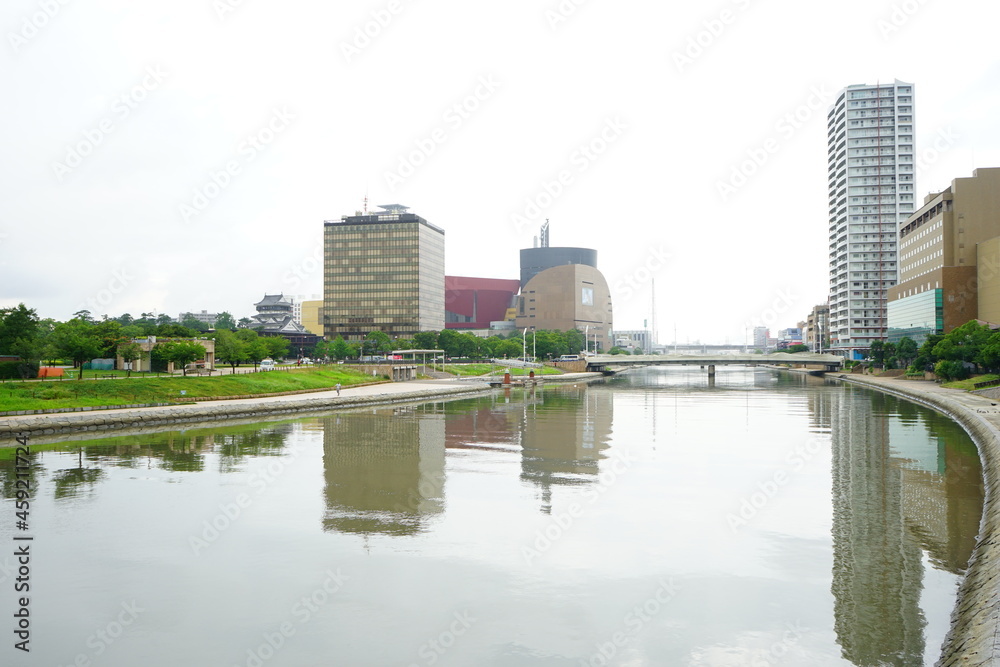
(975, 621)
(188, 414)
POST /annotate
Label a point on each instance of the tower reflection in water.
(901, 487)
(385, 468)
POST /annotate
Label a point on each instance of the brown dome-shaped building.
(570, 296)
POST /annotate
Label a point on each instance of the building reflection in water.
(564, 439)
(384, 470)
(902, 486)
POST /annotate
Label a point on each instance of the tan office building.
(382, 271)
(941, 247)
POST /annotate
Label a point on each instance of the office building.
(949, 255)
(871, 190)
(816, 333)
(475, 303)
(383, 271)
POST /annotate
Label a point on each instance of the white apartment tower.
(871, 179)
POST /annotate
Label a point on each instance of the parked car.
(267, 365)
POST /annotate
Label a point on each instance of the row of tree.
(458, 344)
(34, 341)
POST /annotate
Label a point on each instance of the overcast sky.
(183, 156)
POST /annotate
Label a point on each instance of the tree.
(449, 340)
(425, 340)
(380, 343)
(75, 340)
(192, 322)
(256, 351)
(225, 321)
(876, 352)
(19, 322)
(181, 352)
(110, 335)
(792, 349)
(906, 350)
(244, 322)
(229, 349)
(130, 352)
(277, 346)
(340, 349)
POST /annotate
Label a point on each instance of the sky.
(172, 157)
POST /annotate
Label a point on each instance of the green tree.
(906, 350)
(225, 320)
(340, 349)
(229, 349)
(277, 346)
(792, 349)
(876, 352)
(130, 352)
(256, 352)
(425, 340)
(181, 352)
(449, 340)
(192, 322)
(76, 340)
(17, 323)
(379, 342)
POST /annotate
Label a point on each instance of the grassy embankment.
(89, 393)
(496, 369)
(967, 384)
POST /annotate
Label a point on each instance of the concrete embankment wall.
(115, 420)
(974, 638)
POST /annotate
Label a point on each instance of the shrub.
(951, 370)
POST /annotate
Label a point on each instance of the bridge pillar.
(711, 371)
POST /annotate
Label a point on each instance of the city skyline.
(151, 173)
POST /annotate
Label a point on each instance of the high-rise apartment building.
(871, 186)
(382, 271)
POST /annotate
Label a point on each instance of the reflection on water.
(852, 558)
(895, 497)
(384, 471)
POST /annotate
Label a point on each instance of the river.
(659, 518)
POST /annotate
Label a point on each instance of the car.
(267, 365)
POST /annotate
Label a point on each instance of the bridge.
(610, 362)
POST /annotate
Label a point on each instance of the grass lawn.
(967, 385)
(89, 393)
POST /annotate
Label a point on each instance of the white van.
(267, 365)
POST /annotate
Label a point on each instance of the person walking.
(338, 389)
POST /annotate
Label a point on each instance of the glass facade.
(917, 316)
(382, 275)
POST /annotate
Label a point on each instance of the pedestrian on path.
(338, 389)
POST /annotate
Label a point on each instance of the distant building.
(312, 316)
(203, 316)
(634, 339)
(817, 329)
(274, 318)
(760, 336)
(870, 161)
(383, 271)
(473, 303)
(949, 260)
